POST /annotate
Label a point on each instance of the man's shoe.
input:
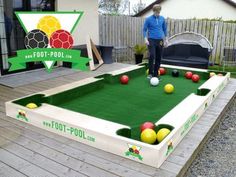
(149, 76)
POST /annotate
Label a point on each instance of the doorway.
(14, 32)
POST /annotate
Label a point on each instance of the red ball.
(188, 75)
(162, 71)
(124, 79)
(136, 151)
(195, 78)
(147, 125)
(61, 39)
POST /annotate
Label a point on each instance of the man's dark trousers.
(155, 51)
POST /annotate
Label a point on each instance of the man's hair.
(156, 8)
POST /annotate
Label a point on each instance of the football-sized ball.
(61, 39)
(49, 24)
(36, 39)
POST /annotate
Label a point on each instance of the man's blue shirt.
(155, 26)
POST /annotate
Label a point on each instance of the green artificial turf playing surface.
(132, 104)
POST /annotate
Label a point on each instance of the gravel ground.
(218, 156)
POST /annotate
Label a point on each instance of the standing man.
(154, 33)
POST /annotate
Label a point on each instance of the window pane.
(17, 4)
(35, 5)
(41, 5)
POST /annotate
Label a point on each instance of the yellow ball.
(31, 105)
(169, 88)
(148, 136)
(49, 24)
(212, 74)
(162, 133)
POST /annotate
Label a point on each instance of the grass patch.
(231, 69)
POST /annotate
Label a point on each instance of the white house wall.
(185, 9)
(88, 24)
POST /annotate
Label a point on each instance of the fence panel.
(123, 32)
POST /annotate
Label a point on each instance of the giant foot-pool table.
(105, 114)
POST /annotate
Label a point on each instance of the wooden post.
(215, 40)
(90, 49)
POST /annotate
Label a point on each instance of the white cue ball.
(154, 81)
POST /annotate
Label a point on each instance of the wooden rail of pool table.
(94, 162)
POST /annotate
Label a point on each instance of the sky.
(147, 2)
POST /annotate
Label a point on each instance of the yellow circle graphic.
(49, 24)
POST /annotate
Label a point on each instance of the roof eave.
(160, 1)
